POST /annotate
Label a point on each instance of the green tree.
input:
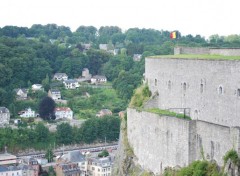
(46, 108)
(104, 153)
(49, 155)
(42, 133)
(46, 83)
(64, 134)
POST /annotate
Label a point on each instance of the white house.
(60, 76)
(63, 113)
(137, 57)
(36, 87)
(27, 113)
(98, 79)
(103, 47)
(4, 116)
(71, 84)
(21, 94)
(54, 94)
(100, 166)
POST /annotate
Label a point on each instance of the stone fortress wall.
(202, 50)
(161, 141)
(210, 90)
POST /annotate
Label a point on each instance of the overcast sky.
(204, 17)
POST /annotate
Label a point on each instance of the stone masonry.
(209, 89)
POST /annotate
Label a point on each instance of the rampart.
(161, 141)
(213, 51)
(209, 88)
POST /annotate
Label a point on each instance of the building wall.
(157, 141)
(196, 84)
(199, 50)
(160, 141)
(191, 50)
(225, 52)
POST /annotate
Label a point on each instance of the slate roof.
(4, 110)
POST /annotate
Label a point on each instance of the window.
(238, 92)
(169, 85)
(155, 82)
(184, 87)
(220, 90)
(201, 88)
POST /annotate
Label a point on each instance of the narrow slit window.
(184, 86)
(201, 88)
(155, 82)
(169, 85)
(238, 92)
(220, 90)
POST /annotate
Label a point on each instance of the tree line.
(39, 137)
(31, 55)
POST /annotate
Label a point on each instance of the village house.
(99, 166)
(54, 94)
(86, 74)
(137, 57)
(103, 47)
(33, 163)
(21, 93)
(86, 46)
(75, 157)
(98, 79)
(60, 76)
(37, 87)
(28, 112)
(71, 84)
(7, 158)
(63, 113)
(4, 116)
(104, 112)
(65, 169)
(20, 170)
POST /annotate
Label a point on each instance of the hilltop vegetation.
(30, 55)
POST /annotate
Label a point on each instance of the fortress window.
(201, 88)
(184, 86)
(220, 90)
(155, 82)
(169, 85)
(238, 92)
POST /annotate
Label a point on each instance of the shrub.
(232, 155)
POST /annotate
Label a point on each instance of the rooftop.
(197, 56)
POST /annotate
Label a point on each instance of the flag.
(174, 35)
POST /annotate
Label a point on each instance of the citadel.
(202, 83)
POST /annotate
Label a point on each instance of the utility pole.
(105, 143)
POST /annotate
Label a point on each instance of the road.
(83, 150)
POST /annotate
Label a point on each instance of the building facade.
(4, 116)
(63, 113)
(206, 88)
(54, 94)
(27, 113)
